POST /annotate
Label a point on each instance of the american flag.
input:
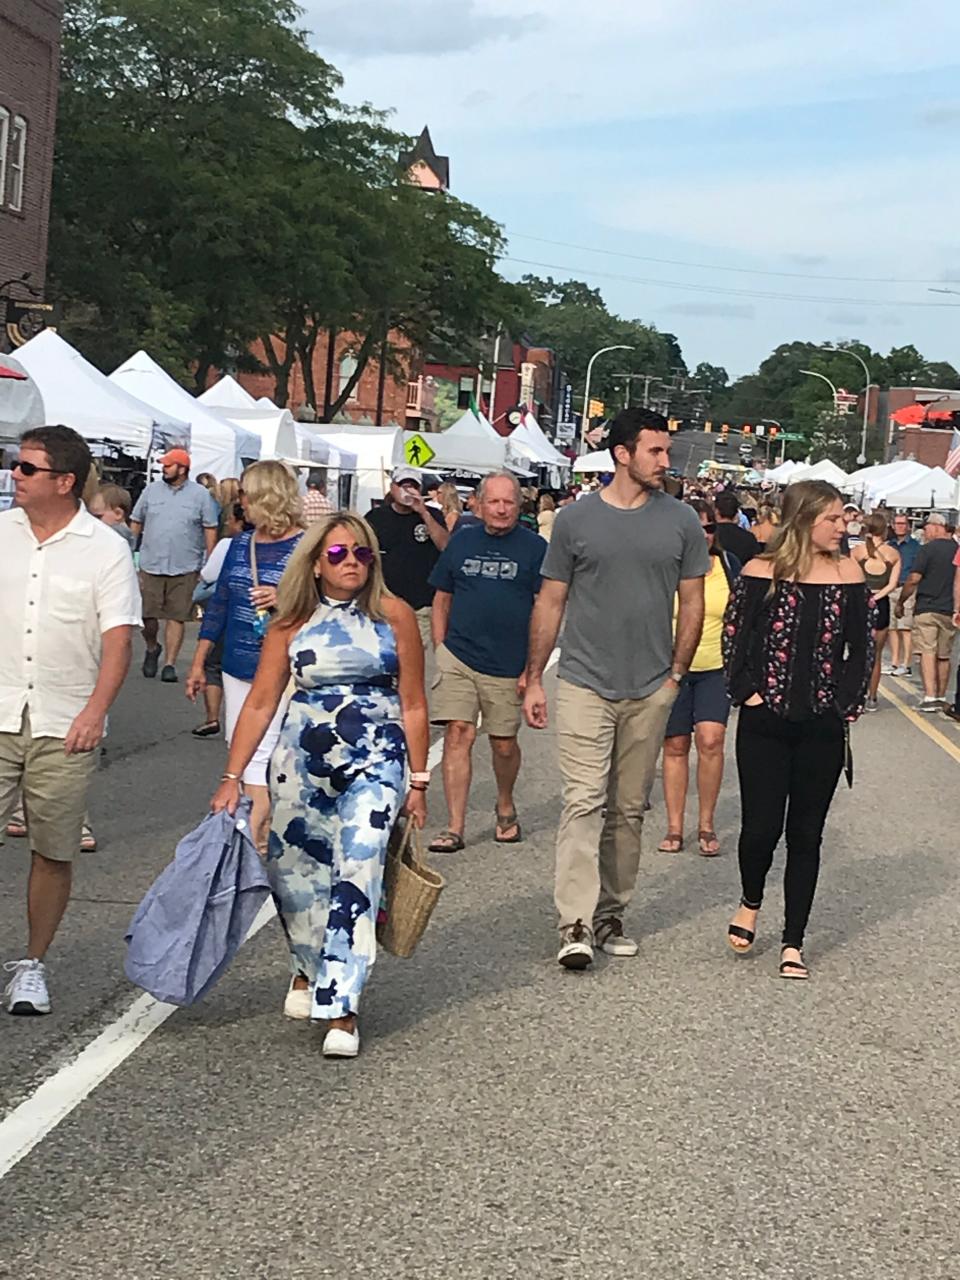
(952, 464)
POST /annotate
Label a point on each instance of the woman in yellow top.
(702, 707)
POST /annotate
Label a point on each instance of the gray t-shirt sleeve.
(140, 509)
(695, 559)
(558, 562)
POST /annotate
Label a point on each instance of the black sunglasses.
(31, 469)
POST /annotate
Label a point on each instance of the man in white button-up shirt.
(69, 602)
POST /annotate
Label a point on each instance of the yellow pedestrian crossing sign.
(417, 452)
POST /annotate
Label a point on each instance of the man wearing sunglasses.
(411, 538)
(68, 605)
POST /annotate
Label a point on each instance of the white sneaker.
(298, 1003)
(871, 704)
(576, 946)
(930, 705)
(611, 939)
(26, 992)
(338, 1043)
(888, 669)
(901, 671)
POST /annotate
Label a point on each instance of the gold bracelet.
(231, 777)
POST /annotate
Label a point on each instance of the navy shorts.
(703, 696)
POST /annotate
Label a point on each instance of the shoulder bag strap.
(253, 561)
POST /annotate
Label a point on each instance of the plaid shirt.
(316, 505)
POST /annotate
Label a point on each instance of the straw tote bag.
(411, 890)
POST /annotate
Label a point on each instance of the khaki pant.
(608, 756)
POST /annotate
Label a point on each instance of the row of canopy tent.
(905, 483)
(140, 410)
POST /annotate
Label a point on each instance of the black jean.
(788, 769)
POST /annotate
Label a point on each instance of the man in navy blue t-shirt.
(485, 585)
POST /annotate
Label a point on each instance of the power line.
(714, 266)
(735, 293)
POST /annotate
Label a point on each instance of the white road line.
(52, 1101)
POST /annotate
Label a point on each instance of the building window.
(465, 390)
(348, 367)
(4, 140)
(18, 162)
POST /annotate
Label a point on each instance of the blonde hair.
(273, 499)
(299, 591)
(229, 491)
(790, 550)
(209, 482)
(547, 503)
(449, 499)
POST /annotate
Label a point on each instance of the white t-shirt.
(211, 570)
(57, 598)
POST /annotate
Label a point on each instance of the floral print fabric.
(807, 648)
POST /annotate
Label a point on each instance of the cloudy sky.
(739, 172)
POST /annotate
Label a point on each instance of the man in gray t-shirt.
(616, 563)
(178, 519)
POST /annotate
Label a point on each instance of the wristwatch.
(420, 777)
(676, 675)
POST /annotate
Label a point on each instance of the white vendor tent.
(595, 463)
(80, 396)
(21, 404)
(215, 444)
(474, 426)
(227, 394)
(529, 435)
(279, 437)
(873, 481)
(377, 451)
(823, 470)
(475, 454)
(781, 474)
(934, 490)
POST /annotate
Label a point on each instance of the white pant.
(234, 696)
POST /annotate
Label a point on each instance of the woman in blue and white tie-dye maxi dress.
(358, 708)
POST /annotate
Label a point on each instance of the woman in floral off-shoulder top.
(798, 652)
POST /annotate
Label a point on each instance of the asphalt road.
(681, 1115)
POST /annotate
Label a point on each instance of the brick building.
(29, 83)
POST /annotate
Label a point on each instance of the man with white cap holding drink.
(179, 520)
(411, 538)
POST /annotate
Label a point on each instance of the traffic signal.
(708, 427)
(724, 432)
(773, 432)
(746, 431)
(673, 424)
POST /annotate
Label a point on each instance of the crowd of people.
(319, 628)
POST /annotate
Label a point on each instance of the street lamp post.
(845, 351)
(586, 395)
(773, 422)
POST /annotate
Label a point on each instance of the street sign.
(417, 452)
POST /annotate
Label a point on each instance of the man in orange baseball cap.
(179, 520)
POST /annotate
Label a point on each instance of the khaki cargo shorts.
(906, 622)
(460, 693)
(934, 633)
(54, 789)
(168, 597)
